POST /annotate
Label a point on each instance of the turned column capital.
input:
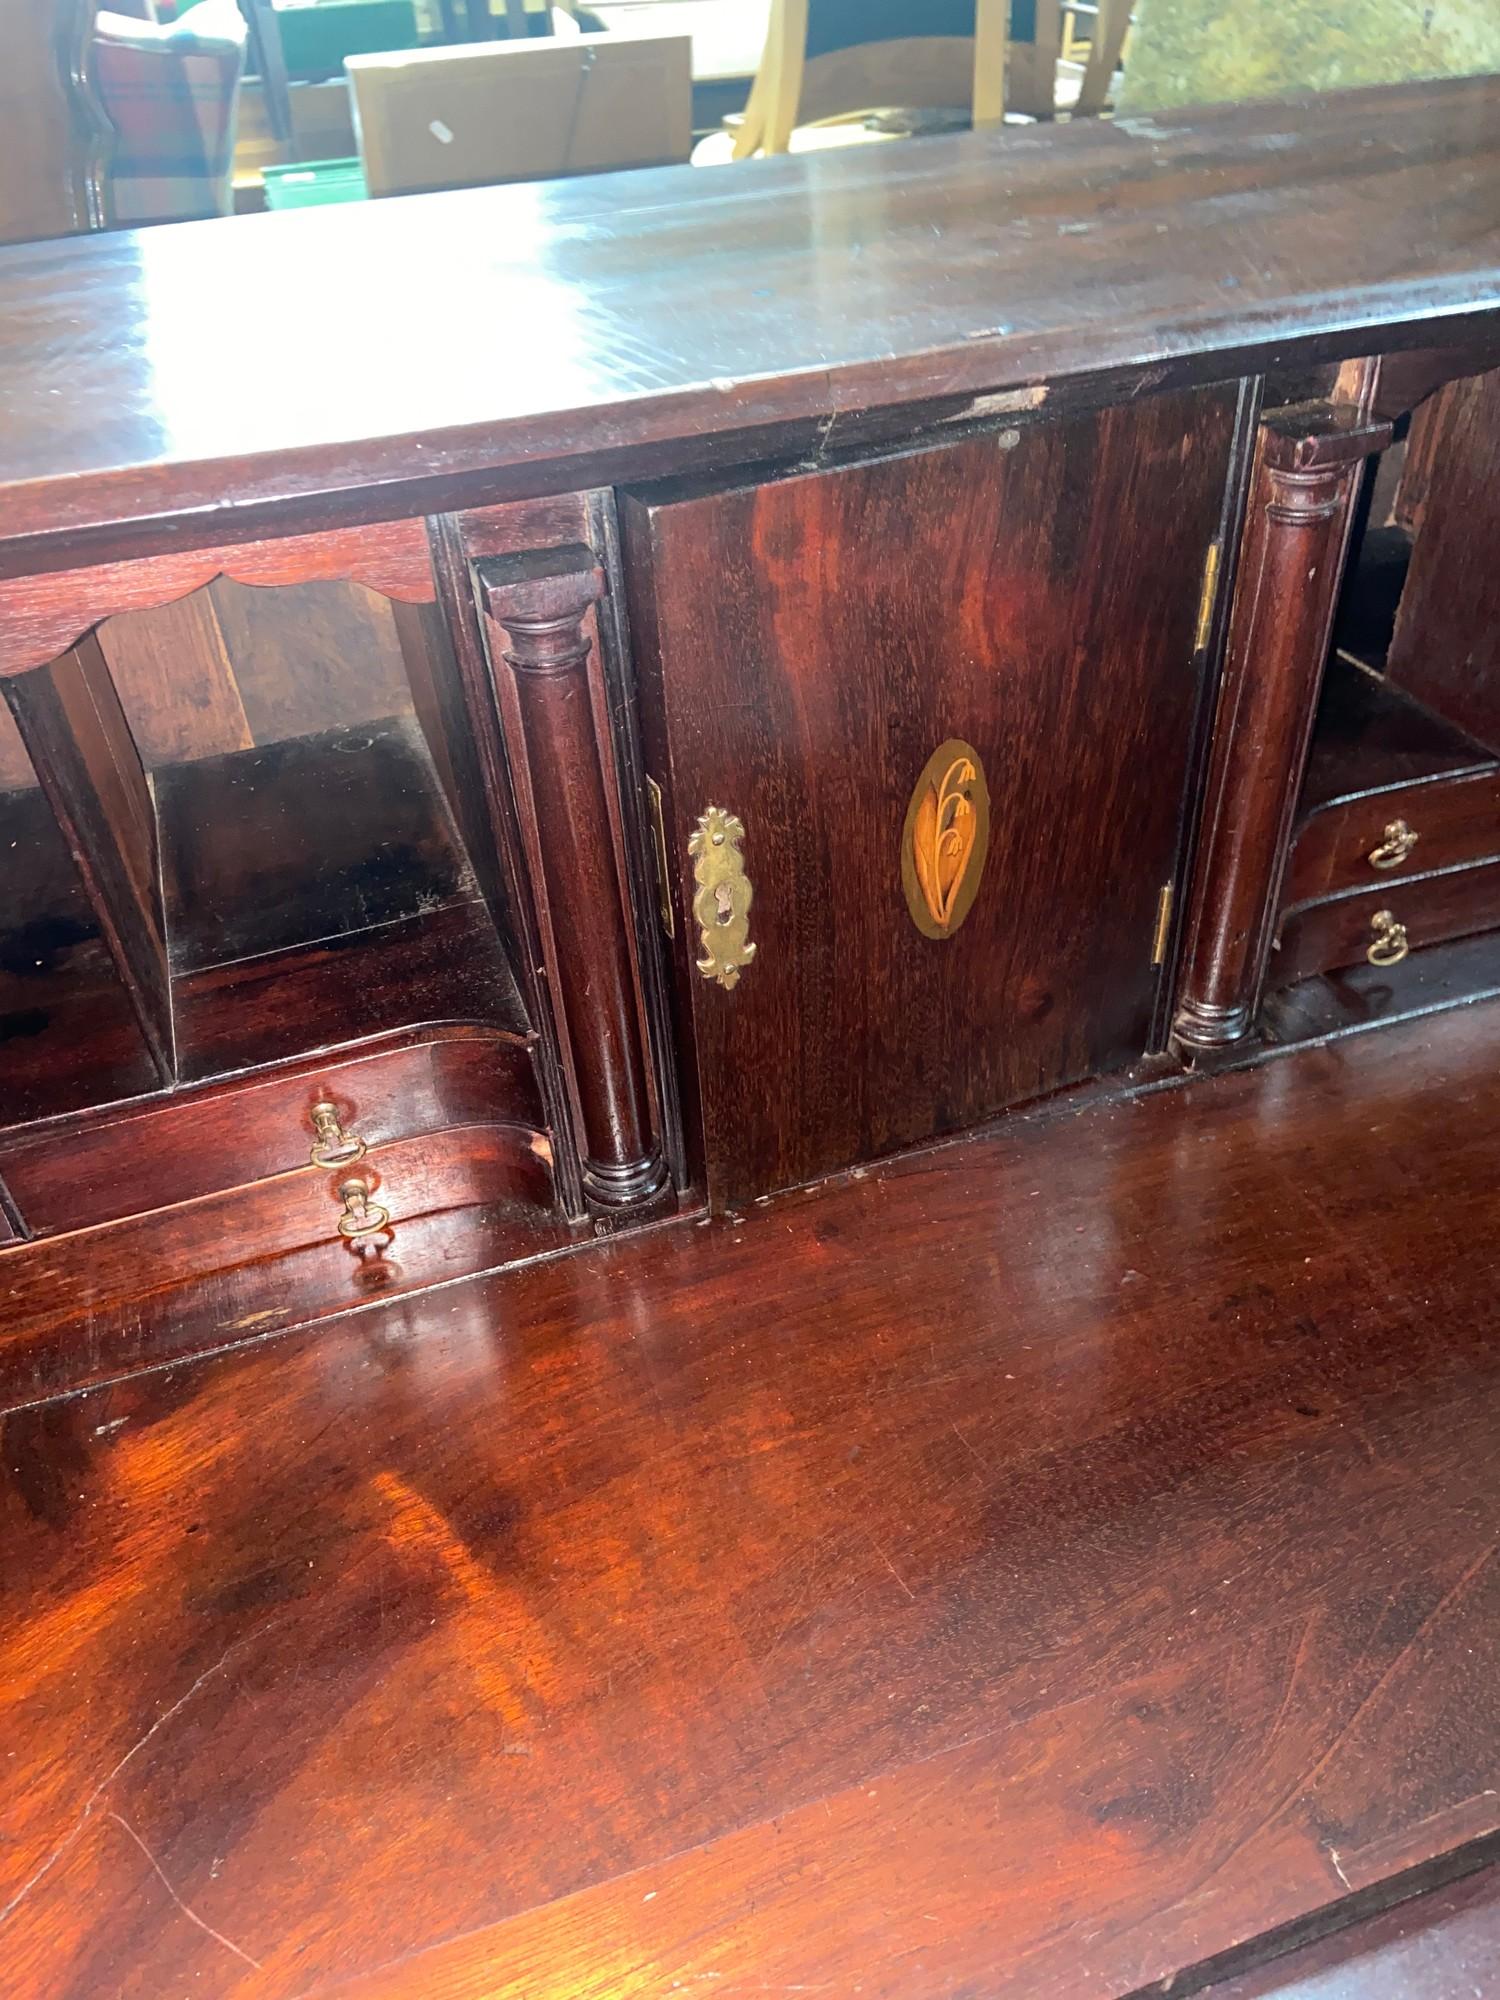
(541, 602)
(1309, 452)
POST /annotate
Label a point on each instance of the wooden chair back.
(521, 110)
(56, 138)
(827, 59)
(171, 92)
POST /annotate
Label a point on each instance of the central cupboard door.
(847, 661)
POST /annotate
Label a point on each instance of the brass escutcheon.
(1389, 944)
(721, 906)
(333, 1146)
(1398, 842)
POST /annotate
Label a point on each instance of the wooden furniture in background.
(828, 59)
(521, 110)
(270, 66)
(1111, 29)
(171, 95)
(56, 137)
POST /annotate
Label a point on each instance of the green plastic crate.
(315, 184)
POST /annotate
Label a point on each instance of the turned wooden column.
(538, 609)
(1303, 489)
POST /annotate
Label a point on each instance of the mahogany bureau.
(534, 710)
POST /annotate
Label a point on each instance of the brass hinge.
(1163, 923)
(659, 834)
(1206, 596)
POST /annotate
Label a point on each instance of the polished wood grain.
(441, 966)
(235, 1263)
(1106, 1583)
(1444, 650)
(1455, 821)
(1370, 736)
(57, 135)
(467, 716)
(799, 675)
(176, 680)
(42, 615)
(1378, 757)
(617, 729)
(66, 1022)
(1297, 527)
(68, 714)
(833, 285)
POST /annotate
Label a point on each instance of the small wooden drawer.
(273, 1254)
(1394, 834)
(1410, 912)
(93, 1168)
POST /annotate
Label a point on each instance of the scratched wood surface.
(1048, 1563)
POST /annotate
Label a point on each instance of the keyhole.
(723, 904)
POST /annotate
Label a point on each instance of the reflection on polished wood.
(1109, 1584)
(822, 285)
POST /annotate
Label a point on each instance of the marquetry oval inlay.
(945, 839)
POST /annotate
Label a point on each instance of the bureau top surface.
(536, 337)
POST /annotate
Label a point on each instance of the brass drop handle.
(1398, 842)
(363, 1221)
(332, 1146)
(1388, 940)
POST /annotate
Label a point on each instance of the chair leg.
(750, 136)
(991, 48)
(1111, 27)
(786, 81)
(265, 43)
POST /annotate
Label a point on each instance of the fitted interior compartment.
(286, 812)
(1411, 697)
(1398, 821)
(68, 1031)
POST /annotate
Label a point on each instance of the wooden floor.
(1037, 1569)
